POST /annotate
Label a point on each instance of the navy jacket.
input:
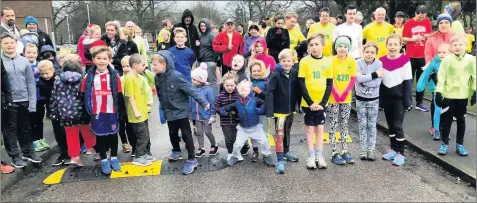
(282, 92)
(248, 110)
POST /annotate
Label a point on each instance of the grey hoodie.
(206, 53)
(367, 86)
(21, 78)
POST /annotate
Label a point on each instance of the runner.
(378, 31)
(326, 28)
(353, 30)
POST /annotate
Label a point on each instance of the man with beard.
(8, 22)
(31, 24)
(187, 22)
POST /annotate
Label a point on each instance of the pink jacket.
(433, 42)
(267, 59)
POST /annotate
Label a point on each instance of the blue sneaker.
(461, 150)
(422, 107)
(83, 149)
(390, 155)
(105, 167)
(281, 167)
(175, 156)
(337, 159)
(290, 157)
(190, 166)
(347, 157)
(115, 164)
(436, 135)
(399, 160)
(232, 161)
(443, 149)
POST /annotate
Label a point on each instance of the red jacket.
(433, 42)
(80, 49)
(221, 43)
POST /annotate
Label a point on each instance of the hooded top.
(48, 48)
(267, 60)
(248, 44)
(192, 32)
(206, 52)
(174, 91)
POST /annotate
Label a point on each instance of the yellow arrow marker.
(326, 138)
(54, 178)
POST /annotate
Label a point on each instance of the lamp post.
(87, 9)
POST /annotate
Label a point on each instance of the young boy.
(455, 85)
(36, 118)
(184, 56)
(135, 91)
(173, 92)
(280, 105)
(48, 53)
(316, 81)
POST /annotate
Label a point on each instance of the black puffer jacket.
(192, 32)
(277, 40)
(120, 50)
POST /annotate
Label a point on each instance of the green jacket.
(456, 77)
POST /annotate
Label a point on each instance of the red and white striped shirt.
(102, 98)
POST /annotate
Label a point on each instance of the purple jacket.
(222, 100)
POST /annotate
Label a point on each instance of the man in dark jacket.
(31, 24)
(207, 54)
(187, 22)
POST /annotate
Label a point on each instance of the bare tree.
(245, 10)
(207, 10)
(60, 11)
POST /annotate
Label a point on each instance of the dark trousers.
(103, 143)
(230, 134)
(16, 129)
(60, 137)
(225, 69)
(394, 113)
(125, 132)
(184, 125)
(142, 137)
(433, 109)
(36, 120)
(417, 64)
(457, 109)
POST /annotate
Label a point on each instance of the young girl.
(455, 85)
(105, 102)
(203, 118)
(259, 84)
(67, 107)
(259, 52)
(369, 74)
(94, 34)
(239, 68)
(429, 76)
(166, 44)
(315, 79)
(344, 77)
(395, 93)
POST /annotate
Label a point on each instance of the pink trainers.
(97, 157)
(90, 151)
(76, 161)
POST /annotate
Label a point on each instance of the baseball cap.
(421, 9)
(229, 20)
(400, 14)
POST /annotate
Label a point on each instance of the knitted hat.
(200, 73)
(30, 19)
(342, 40)
(444, 17)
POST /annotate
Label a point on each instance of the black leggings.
(36, 120)
(457, 109)
(60, 137)
(103, 143)
(417, 64)
(394, 113)
(125, 131)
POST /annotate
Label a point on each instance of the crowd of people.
(201, 72)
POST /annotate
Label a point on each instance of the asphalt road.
(364, 181)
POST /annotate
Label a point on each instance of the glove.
(473, 99)
(222, 112)
(212, 119)
(257, 90)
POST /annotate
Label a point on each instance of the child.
(203, 118)
(395, 94)
(455, 85)
(94, 35)
(280, 104)
(104, 101)
(135, 90)
(45, 85)
(229, 122)
(369, 74)
(239, 68)
(36, 118)
(124, 125)
(67, 108)
(259, 79)
(259, 49)
(173, 92)
(184, 57)
(344, 77)
(165, 44)
(247, 107)
(48, 53)
(429, 76)
(316, 80)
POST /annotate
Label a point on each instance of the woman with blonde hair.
(132, 47)
(115, 39)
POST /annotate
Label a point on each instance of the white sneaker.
(229, 156)
(310, 163)
(321, 162)
(239, 158)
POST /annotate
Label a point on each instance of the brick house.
(41, 10)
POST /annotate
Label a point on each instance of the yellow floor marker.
(54, 178)
(326, 138)
(130, 170)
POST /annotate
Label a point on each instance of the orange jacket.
(433, 42)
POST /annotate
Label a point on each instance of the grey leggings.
(204, 127)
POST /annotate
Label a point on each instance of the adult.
(247, 34)
(277, 37)
(31, 24)
(326, 28)
(166, 27)
(131, 45)
(15, 117)
(378, 31)
(265, 24)
(352, 30)
(414, 34)
(8, 23)
(130, 25)
(470, 40)
(208, 56)
(359, 19)
(443, 35)
(308, 24)
(137, 39)
(339, 19)
(294, 32)
(229, 44)
(114, 39)
(399, 23)
(253, 30)
(240, 29)
(138, 32)
(187, 22)
(453, 9)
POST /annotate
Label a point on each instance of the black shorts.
(314, 118)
